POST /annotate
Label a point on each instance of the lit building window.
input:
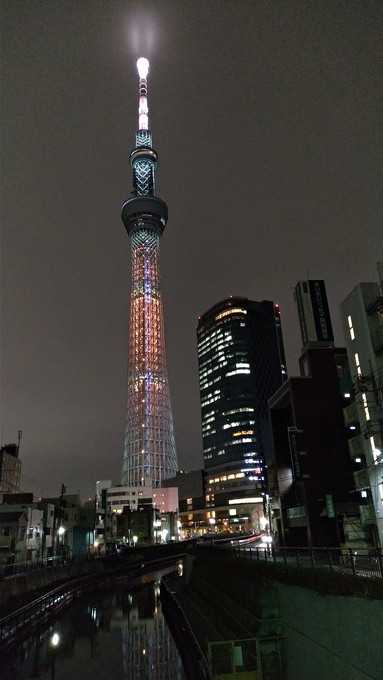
(357, 364)
(363, 494)
(365, 406)
(374, 450)
(242, 501)
(351, 327)
(228, 425)
(242, 432)
(228, 312)
(241, 409)
(242, 440)
(381, 492)
(237, 372)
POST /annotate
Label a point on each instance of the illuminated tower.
(149, 451)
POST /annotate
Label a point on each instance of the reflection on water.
(120, 635)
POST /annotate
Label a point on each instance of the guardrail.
(39, 609)
(23, 619)
(28, 566)
(365, 563)
(55, 561)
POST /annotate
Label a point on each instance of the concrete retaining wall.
(19, 587)
(329, 637)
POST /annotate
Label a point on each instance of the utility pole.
(57, 518)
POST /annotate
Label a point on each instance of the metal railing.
(37, 610)
(23, 619)
(363, 563)
(53, 562)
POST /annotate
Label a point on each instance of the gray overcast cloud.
(268, 121)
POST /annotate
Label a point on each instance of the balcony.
(377, 339)
(350, 413)
(5, 542)
(356, 447)
(367, 514)
(361, 479)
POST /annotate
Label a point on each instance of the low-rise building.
(74, 525)
(26, 528)
(123, 512)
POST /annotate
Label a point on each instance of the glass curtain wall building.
(241, 364)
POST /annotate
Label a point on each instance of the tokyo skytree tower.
(149, 450)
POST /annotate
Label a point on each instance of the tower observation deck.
(149, 447)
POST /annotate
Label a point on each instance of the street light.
(60, 533)
(55, 639)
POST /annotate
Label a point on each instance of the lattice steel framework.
(149, 451)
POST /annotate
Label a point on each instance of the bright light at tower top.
(143, 109)
(143, 67)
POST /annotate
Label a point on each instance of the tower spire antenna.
(143, 158)
(143, 108)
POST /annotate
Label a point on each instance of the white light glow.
(55, 640)
(227, 312)
(374, 450)
(241, 501)
(143, 67)
(143, 122)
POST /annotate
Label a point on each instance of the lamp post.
(61, 532)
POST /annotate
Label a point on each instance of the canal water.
(121, 636)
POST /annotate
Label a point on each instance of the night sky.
(267, 117)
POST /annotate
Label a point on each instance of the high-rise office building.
(362, 315)
(149, 451)
(313, 312)
(241, 364)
